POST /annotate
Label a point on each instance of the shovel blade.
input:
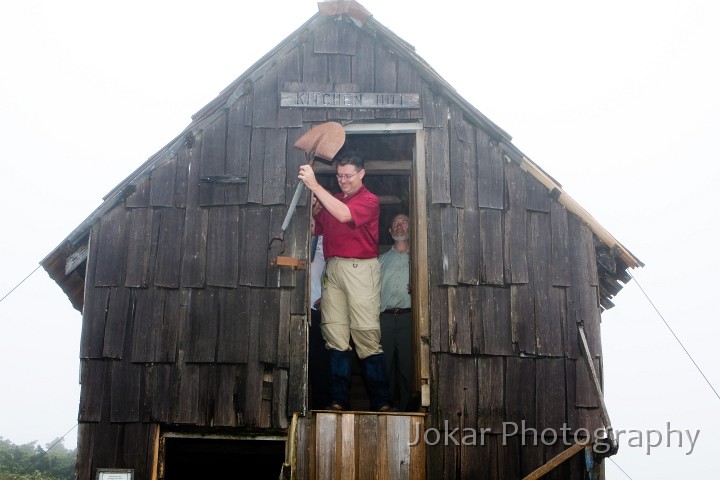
(325, 140)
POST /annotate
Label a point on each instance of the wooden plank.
(279, 398)
(439, 341)
(531, 455)
(188, 394)
(297, 373)
(449, 239)
(491, 391)
(164, 393)
(174, 315)
(408, 80)
(254, 230)
(117, 319)
(125, 393)
(385, 76)
(256, 167)
(346, 446)
(560, 245)
(203, 317)
(515, 241)
(459, 321)
(139, 246)
(93, 325)
(234, 326)
(520, 392)
(438, 164)
(181, 175)
(212, 160)
(456, 390)
(398, 455)
(548, 329)
(497, 331)
(268, 335)
(366, 427)
(140, 198)
(146, 324)
(434, 108)
(290, 71)
(162, 184)
(283, 337)
(491, 173)
(469, 251)
(522, 317)
(237, 163)
(194, 247)
(169, 247)
(582, 295)
(93, 375)
(537, 195)
(195, 231)
(253, 384)
(266, 101)
(112, 248)
(460, 157)
(417, 469)
(222, 246)
(325, 445)
(224, 406)
(274, 172)
(550, 393)
(492, 268)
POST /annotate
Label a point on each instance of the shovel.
(323, 141)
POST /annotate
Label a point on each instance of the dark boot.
(339, 378)
(376, 382)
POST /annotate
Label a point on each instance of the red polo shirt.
(357, 238)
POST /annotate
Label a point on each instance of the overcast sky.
(619, 101)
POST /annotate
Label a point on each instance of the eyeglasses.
(342, 176)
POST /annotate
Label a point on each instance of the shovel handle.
(309, 157)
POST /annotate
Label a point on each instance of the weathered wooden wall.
(511, 275)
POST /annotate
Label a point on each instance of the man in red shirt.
(349, 223)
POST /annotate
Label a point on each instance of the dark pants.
(373, 369)
(396, 340)
(319, 365)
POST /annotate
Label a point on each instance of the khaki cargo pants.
(351, 305)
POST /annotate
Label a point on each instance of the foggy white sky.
(618, 101)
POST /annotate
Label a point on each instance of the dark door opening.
(388, 164)
(193, 458)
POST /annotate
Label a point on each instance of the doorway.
(190, 458)
(393, 175)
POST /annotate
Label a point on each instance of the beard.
(401, 237)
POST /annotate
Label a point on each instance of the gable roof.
(66, 257)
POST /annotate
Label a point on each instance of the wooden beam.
(556, 461)
(76, 259)
(374, 167)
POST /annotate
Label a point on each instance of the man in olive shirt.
(396, 316)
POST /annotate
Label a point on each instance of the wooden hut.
(194, 342)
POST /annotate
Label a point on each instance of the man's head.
(400, 228)
(350, 172)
